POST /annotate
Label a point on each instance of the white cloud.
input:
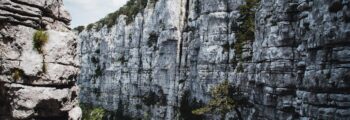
(84, 12)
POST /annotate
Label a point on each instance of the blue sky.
(84, 12)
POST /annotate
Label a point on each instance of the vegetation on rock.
(225, 98)
(130, 10)
(40, 38)
(79, 29)
(246, 30)
(89, 27)
(92, 113)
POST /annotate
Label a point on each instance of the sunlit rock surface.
(37, 85)
(297, 67)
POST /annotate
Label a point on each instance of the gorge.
(161, 59)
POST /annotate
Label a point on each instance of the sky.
(84, 12)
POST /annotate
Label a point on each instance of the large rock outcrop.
(163, 63)
(37, 84)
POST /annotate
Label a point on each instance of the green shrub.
(40, 38)
(225, 98)
(246, 30)
(89, 27)
(131, 9)
(97, 114)
(92, 113)
(79, 29)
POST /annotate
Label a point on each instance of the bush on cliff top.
(225, 98)
(131, 9)
(79, 29)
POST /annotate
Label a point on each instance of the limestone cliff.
(289, 57)
(39, 61)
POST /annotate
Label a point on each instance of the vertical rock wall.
(300, 56)
(35, 85)
(172, 54)
(134, 65)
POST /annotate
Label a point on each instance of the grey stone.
(37, 85)
(296, 68)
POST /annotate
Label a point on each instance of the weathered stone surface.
(37, 85)
(46, 102)
(296, 68)
(35, 13)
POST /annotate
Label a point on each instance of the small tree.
(225, 99)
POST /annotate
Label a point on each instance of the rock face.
(168, 58)
(33, 84)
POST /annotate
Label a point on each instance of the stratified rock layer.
(297, 67)
(36, 85)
